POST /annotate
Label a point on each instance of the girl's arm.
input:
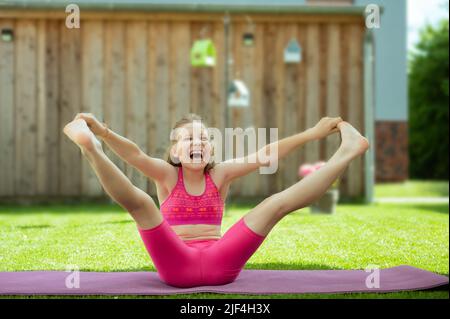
(155, 168)
(234, 168)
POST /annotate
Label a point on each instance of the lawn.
(412, 188)
(104, 238)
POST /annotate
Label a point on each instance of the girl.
(183, 237)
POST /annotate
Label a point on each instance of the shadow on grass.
(250, 266)
(290, 266)
(118, 222)
(436, 208)
(265, 266)
(61, 209)
(24, 227)
(440, 208)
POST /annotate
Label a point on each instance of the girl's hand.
(94, 125)
(325, 127)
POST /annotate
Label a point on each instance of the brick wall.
(391, 153)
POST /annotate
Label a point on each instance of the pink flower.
(305, 169)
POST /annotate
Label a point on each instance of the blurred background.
(140, 65)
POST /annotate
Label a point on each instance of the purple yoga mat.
(256, 282)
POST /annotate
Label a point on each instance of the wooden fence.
(135, 74)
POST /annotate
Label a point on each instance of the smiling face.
(192, 148)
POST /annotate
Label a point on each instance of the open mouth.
(196, 155)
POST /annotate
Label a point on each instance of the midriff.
(197, 231)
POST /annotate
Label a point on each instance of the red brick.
(391, 153)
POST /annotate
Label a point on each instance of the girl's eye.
(204, 138)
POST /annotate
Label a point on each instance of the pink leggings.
(200, 262)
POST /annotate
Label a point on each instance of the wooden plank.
(180, 69)
(261, 186)
(42, 111)
(136, 93)
(161, 94)
(279, 105)
(195, 72)
(243, 118)
(158, 92)
(343, 101)
(180, 17)
(247, 54)
(52, 72)
(218, 102)
(70, 75)
(218, 77)
(312, 115)
(301, 86)
(25, 103)
(323, 66)
(333, 91)
(47, 157)
(270, 85)
(292, 161)
(114, 83)
(92, 93)
(205, 84)
(7, 158)
(235, 114)
(152, 109)
(355, 105)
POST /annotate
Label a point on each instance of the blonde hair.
(187, 119)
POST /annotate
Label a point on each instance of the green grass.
(104, 238)
(412, 188)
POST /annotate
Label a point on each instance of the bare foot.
(80, 134)
(353, 142)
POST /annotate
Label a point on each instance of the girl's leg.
(138, 203)
(223, 260)
(264, 216)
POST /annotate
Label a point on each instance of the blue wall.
(391, 93)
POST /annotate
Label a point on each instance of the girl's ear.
(173, 150)
(211, 158)
(173, 154)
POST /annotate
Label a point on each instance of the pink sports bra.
(181, 208)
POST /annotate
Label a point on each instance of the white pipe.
(369, 115)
